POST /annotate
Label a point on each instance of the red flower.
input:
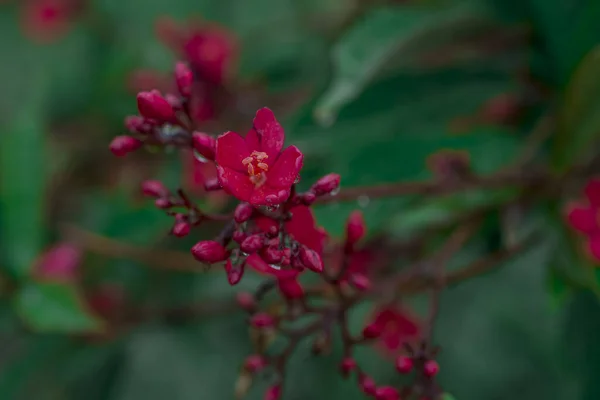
(585, 217)
(255, 169)
(195, 174)
(397, 327)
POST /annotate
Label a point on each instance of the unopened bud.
(311, 259)
(181, 229)
(137, 124)
(326, 184)
(355, 228)
(234, 272)
(254, 363)
(308, 198)
(184, 78)
(239, 236)
(372, 330)
(243, 212)
(163, 203)
(209, 251)
(367, 385)
(154, 106)
(174, 101)
(210, 185)
(122, 145)
(361, 282)
(272, 254)
(273, 393)
(246, 301)
(387, 393)
(347, 366)
(252, 244)
(431, 368)
(154, 189)
(204, 144)
(404, 364)
(262, 320)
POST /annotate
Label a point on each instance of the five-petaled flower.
(585, 217)
(396, 327)
(255, 169)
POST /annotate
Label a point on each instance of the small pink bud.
(387, 393)
(59, 262)
(181, 229)
(210, 185)
(163, 203)
(431, 368)
(273, 393)
(184, 78)
(137, 124)
(243, 212)
(154, 106)
(254, 363)
(154, 189)
(262, 320)
(272, 254)
(346, 366)
(361, 282)
(404, 364)
(273, 231)
(367, 384)
(290, 289)
(311, 259)
(246, 301)
(209, 251)
(308, 198)
(174, 101)
(122, 145)
(204, 144)
(239, 236)
(355, 228)
(234, 272)
(252, 244)
(372, 330)
(326, 184)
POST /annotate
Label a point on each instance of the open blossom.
(395, 326)
(585, 217)
(255, 169)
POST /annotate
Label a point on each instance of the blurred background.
(366, 88)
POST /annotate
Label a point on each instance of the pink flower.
(396, 327)
(59, 263)
(255, 169)
(585, 217)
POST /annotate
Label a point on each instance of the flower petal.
(592, 191)
(583, 218)
(266, 195)
(235, 183)
(258, 264)
(302, 228)
(286, 168)
(270, 132)
(231, 150)
(253, 142)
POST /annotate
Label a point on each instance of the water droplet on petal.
(363, 201)
(334, 191)
(273, 208)
(275, 266)
(199, 157)
(297, 180)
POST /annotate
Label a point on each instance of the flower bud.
(60, 262)
(254, 363)
(262, 320)
(273, 393)
(154, 106)
(431, 368)
(152, 188)
(184, 78)
(243, 212)
(271, 254)
(387, 393)
(355, 228)
(181, 229)
(137, 124)
(234, 272)
(308, 198)
(205, 145)
(367, 384)
(404, 364)
(121, 145)
(252, 244)
(163, 203)
(372, 330)
(246, 301)
(295, 262)
(174, 101)
(361, 282)
(239, 236)
(209, 251)
(346, 366)
(210, 185)
(326, 184)
(311, 259)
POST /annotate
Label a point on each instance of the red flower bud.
(239, 236)
(273, 393)
(121, 145)
(367, 384)
(404, 364)
(209, 251)
(361, 282)
(311, 259)
(254, 363)
(262, 320)
(181, 229)
(346, 366)
(308, 198)
(184, 78)
(137, 124)
(326, 184)
(234, 272)
(431, 368)
(174, 101)
(252, 244)
(205, 145)
(243, 212)
(210, 185)
(387, 393)
(163, 203)
(246, 301)
(271, 254)
(154, 189)
(355, 228)
(372, 330)
(154, 106)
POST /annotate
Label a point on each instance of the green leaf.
(448, 396)
(367, 48)
(22, 186)
(54, 307)
(579, 124)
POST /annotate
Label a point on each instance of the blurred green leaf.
(579, 125)
(367, 47)
(54, 307)
(448, 396)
